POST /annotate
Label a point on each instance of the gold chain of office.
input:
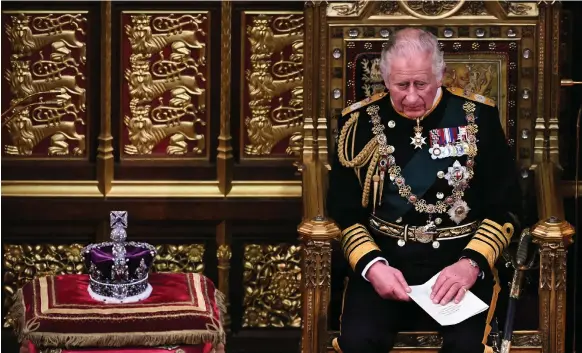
(394, 171)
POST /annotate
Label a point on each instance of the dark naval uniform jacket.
(450, 190)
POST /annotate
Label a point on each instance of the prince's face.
(412, 84)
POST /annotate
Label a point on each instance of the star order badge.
(458, 211)
(418, 140)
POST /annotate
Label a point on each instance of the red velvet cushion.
(29, 347)
(57, 311)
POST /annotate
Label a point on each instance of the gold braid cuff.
(491, 239)
(357, 242)
(368, 154)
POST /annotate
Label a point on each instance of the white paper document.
(451, 313)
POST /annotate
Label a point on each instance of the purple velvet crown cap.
(102, 259)
(118, 270)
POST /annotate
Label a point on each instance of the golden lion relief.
(144, 135)
(268, 125)
(144, 42)
(164, 79)
(47, 60)
(474, 77)
(22, 84)
(144, 88)
(25, 136)
(24, 42)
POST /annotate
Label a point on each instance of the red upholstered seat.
(57, 311)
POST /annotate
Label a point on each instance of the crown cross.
(118, 219)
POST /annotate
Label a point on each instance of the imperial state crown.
(118, 269)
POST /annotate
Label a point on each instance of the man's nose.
(411, 96)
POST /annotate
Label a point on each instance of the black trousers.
(369, 323)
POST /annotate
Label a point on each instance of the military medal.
(418, 140)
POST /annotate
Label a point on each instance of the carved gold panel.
(44, 61)
(165, 60)
(22, 263)
(431, 10)
(180, 258)
(493, 60)
(272, 286)
(272, 85)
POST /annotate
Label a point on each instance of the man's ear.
(386, 82)
(440, 82)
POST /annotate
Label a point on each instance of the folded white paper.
(451, 313)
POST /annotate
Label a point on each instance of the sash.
(421, 171)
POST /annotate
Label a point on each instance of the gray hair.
(409, 41)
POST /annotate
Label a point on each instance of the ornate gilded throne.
(500, 49)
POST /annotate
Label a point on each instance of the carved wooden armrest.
(316, 236)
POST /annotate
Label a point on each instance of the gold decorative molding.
(432, 10)
(165, 188)
(313, 169)
(346, 9)
(271, 283)
(272, 64)
(224, 158)
(540, 122)
(316, 236)
(266, 188)
(223, 255)
(568, 188)
(553, 236)
(151, 188)
(105, 157)
(207, 189)
(50, 188)
(553, 123)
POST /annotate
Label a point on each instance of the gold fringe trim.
(123, 339)
(25, 331)
(221, 303)
(16, 314)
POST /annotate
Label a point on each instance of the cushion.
(29, 347)
(57, 311)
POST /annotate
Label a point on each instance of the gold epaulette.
(471, 96)
(363, 103)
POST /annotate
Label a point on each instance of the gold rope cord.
(369, 152)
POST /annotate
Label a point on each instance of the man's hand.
(453, 282)
(388, 282)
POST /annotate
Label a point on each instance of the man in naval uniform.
(422, 182)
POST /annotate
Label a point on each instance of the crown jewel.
(118, 270)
